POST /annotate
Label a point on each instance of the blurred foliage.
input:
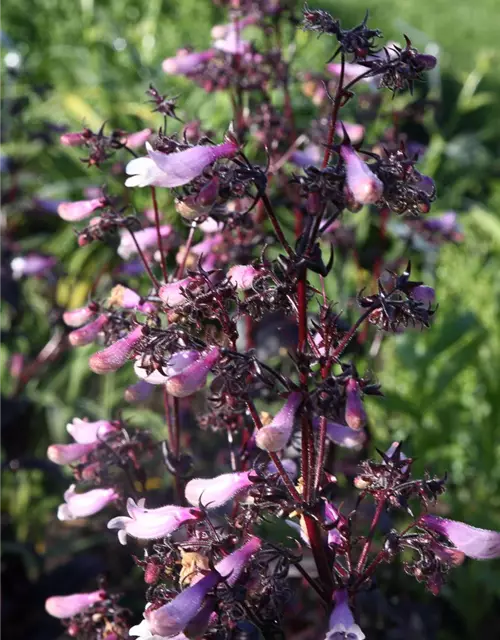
(75, 63)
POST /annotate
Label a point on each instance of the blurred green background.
(75, 63)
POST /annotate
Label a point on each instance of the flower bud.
(73, 139)
(215, 492)
(128, 299)
(186, 377)
(275, 436)
(151, 524)
(85, 432)
(365, 186)
(31, 265)
(78, 317)
(68, 453)
(81, 505)
(76, 211)
(208, 193)
(242, 275)
(116, 355)
(88, 333)
(69, 606)
(355, 415)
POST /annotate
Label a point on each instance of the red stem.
(187, 248)
(158, 235)
(335, 112)
(369, 538)
(276, 225)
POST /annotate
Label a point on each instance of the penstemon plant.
(284, 517)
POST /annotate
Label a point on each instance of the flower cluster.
(230, 322)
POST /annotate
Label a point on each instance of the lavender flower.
(342, 623)
(78, 317)
(342, 435)
(185, 377)
(423, 294)
(138, 392)
(185, 63)
(137, 139)
(31, 265)
(69, 606)
(215, 492)
(275, 435)
(151, 524)
(145, 238)
(81, 505)
(242, 276)
(480, 544)
(115, 356)
(232, 566)
(171, 293)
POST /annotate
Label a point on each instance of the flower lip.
(69, 606)
(212, 493)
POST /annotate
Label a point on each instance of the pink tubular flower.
(342, 623)
(214, 492)
(355, 414)
(151, 524)
(75, 139)
(342, 435)
(171, 293)
(116, 355)
(183, 166)
(68, 453)
(78, 317)
(81, 505)
(480, 544)
(332, 516)
(85, 432)
(76, 211)
(231, 567)
(146, 239)
(128, 299)
(88, 333)
(275, 435)
(364, 185)
(242, 275)
(185, 63)
(138, 392)
(185, 377)
(172, 618)
(69, 606)
(31, 265)
(135, 140)
(232, 43)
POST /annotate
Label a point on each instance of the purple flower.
(116, 355)
(184, 63)
(231, 567)
(364, 185)
(355, 415)
(85, 432)
(232, 43)
(146, 239)
(242, 275)
(309, 156)
(88, 333)
(423, 294)
(215, 492)
(138, 392)
(128, 299)
(172, 618)
(185, 377)
(78, 317)
(69, 606)
(151, 524)
(76, 211)
(332, 516)
(342, 435)
(342, 623)
(480, 544)
(81, 505)
(275, 435)
(31, 265)
(353, 130)
(445, 224)
(67, 453)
